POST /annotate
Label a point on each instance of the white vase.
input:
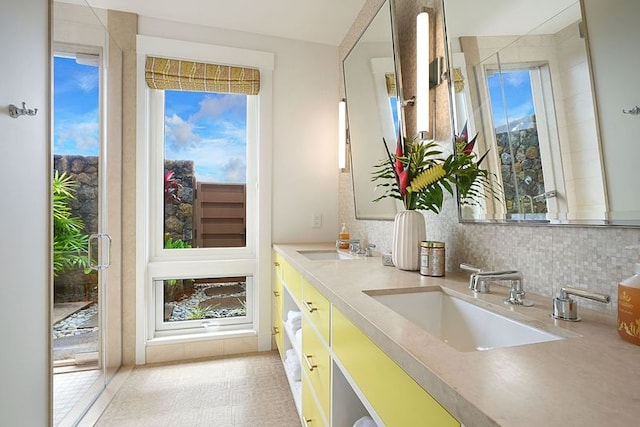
(408, 231)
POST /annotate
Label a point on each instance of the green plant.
(198, 312)
(171, 243)
(69, 240)
(419, 174)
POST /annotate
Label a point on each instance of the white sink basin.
(461, 324)
(326, 254)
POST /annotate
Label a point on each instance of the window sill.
(175, 337)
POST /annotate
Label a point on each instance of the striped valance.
(174, 74)
(390, 80)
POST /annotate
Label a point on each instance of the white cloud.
(80, 136)
(516, 79)
(87, 82)
(235, 170)
(213, 107)
(180, 133)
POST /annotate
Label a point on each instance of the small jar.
(432, 258)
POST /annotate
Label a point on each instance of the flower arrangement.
(419, 174)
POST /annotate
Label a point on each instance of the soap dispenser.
(629, 307)
(343, 235)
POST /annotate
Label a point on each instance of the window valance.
(174, 74)
(390, 80)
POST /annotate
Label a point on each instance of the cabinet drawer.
(292, 280)
(395, 396)
(276, 314)
(317, 309)
(310, 412)
(289, 276)
(316, 364)
(278, 331)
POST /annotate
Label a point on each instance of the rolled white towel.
(294, 327)
(292, 314)
(291, 356)
(298, 338)
(295, 371)
(365, 421)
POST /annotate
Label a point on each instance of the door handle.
(99, 238)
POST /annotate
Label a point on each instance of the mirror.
(520, 78)
(372, 93)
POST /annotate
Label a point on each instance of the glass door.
(80, 245)
(86, 319)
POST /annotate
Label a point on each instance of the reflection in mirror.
(521, 80)
(372, 106)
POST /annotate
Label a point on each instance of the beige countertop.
(591, 378)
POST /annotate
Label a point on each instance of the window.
(205, 169)
(212, 304)
(522, 127)
(204, 145)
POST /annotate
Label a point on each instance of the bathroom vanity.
(364, 350)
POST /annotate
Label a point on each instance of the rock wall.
(521, 168)
(75, 285)
(178, 214)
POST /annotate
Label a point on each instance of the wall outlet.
(316, 221)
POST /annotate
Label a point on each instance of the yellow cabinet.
(311, 415)
(277, 311)
(396, 397)
(316, 365)
(292, 280)
(317, 309)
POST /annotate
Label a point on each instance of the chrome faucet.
(369, 250)
(566, 308)
(479, 282)
(355, 245)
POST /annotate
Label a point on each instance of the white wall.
(24, 216)
(305, 111)
(613, 38)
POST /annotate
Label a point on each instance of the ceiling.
(319, 21)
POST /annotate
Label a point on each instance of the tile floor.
(243, 390)
(68, 388)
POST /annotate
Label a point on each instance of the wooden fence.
(219, 215)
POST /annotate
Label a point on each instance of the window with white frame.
(202, 149)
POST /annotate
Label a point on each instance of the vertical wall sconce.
(422, 74)
(342, 134)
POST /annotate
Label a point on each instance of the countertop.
(590, 378)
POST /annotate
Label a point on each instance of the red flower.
(462, 142)
(401, 172)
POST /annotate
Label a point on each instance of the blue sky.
(75, 105)
(209, 128)
(517, 86)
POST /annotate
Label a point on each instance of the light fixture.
(342, 134)
(422, 74)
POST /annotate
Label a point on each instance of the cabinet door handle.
(307, 360)
(309, 306)
(276, 331)
(276, 293)
(276, 263)
(306, 421)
